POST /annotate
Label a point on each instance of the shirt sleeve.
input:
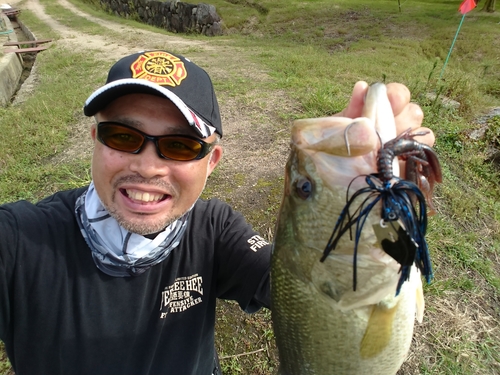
(8, 246)
(243, 260)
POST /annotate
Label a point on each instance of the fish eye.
(304, 187)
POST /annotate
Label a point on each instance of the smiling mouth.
(143, 197)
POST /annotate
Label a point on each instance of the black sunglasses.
(174, 147)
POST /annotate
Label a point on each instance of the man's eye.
(177, 145)
(122, 137)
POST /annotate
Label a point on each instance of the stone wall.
(174, 16)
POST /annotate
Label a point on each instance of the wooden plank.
(35, 42)
(26, 50)
(11, 12)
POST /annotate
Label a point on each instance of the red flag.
(467, 6)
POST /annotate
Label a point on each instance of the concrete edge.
(11, 68)
(26, 31)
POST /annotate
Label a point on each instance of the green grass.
(313, 51)
(39, 29)
(41, 124)
(69, 19)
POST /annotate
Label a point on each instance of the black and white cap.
(164, 74)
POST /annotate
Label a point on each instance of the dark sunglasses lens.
(120, 138)
(179, 148)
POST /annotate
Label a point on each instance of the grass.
(41, 123)
(313, 52)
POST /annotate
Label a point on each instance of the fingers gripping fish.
(345, 303)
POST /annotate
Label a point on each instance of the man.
(122, 276)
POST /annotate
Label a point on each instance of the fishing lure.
(403, 222)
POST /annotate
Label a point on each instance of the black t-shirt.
(60, 315)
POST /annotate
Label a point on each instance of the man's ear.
(93, 131)
(215, 157)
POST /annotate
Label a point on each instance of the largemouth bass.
(323, 323)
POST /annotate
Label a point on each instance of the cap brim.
(113, 90)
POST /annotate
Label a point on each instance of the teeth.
(144, 197)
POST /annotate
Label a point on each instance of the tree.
(489, 6)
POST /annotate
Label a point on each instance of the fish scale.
(322, 326)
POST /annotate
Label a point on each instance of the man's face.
(144, 192)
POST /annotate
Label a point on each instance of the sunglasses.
(174, 147)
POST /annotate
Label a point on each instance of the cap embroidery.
(159, 67)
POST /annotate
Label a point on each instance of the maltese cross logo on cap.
(159, 67)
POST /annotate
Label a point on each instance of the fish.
(347, 310)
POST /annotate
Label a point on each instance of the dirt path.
(254, 149)
(102, 44)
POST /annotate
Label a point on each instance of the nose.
(148, 163)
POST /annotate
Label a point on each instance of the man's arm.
(7, 261)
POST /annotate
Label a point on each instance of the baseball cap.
(165, 74)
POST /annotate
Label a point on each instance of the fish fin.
(420, 302)
(378, 331)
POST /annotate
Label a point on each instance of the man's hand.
(406, 114)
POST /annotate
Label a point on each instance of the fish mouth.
(338, 149)
(339, 136)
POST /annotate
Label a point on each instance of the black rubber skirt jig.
(403, 222)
